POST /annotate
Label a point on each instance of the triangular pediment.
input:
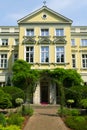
(60, 40)
(46, 15)
(44, 41)
(29, 40)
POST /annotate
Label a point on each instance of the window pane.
(84, 60)
(44, 32)
(59, 32)
(84, 42)
(60, 54)
(72, 42)
(3, 60)
(30, 32)
(30, 54)
(44, 54)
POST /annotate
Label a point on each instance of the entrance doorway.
(44, 92)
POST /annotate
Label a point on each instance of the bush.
(76, 122)
(2, 120)
(11, 127)
(68, 112)
(76, 93)
(5, 100)
(14, 93)
(19, 101)
(27, 110)
(15, 119)
(83, 103)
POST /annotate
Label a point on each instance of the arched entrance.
(44, 92)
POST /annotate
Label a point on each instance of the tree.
(24, 77)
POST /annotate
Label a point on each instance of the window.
(29, 32)
(3, 60)
(72, 42)
(30, 54)
(60, 54)
(73, 61)
(4, 42)
(59, 32)
(16, 41)
(84, 60)
(83, 42)
(44, 54)
(44, 32)
(15, 57)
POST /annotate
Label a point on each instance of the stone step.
(42, 106)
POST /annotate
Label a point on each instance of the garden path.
(45, 118)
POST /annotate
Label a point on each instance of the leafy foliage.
(68, 112)
(83, 103)
(15, 119)
(24, 77)
(27, 110)
(14, 92)
(76, 122)
(19, 101)
(77, 93)
(5, 100)
(2, 119)
(11, 127)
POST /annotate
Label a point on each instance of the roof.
(41, 9)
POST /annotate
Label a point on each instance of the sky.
(12, 10)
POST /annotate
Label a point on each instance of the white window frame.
(3, 66)
(14, 57)
(16, 42)
(33, 53)
(85, 60)
(59, 33)
(5, 41)
(48, 54)
(56, 55)
(74, 60)
(84, 43)
(44, 33)
(72, 42)
(30, 33)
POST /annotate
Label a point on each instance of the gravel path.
(45, 119)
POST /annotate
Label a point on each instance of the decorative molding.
(29, 40)
(44, 40)
(59, 39)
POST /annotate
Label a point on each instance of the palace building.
(46, 40)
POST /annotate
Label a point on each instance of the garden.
(15, 101)
(13, 111)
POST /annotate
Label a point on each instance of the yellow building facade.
(46, 40)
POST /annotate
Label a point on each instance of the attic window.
(44, 16)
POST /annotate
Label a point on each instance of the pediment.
(44, 41)
(59, 40)
(51, 17)
(29, 41)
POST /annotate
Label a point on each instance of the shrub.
(15, 93)
(11, 127)
(27, 110)
(2, 119)
(76, 122)
(19, 101)
(70, 102)
(15, 119)
(5, 100)
(83, 103)
(68, 112)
